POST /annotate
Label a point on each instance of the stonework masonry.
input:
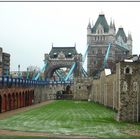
(48, 92)
(129, 93)
(82, 88)
(119, 91)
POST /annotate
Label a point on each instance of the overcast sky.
(27, 30)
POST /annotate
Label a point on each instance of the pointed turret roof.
(111, 25)
(129, 37)
(122, 34)
(114, 25)
(101, 20)
(89, 25)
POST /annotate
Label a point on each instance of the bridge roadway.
(16, 92)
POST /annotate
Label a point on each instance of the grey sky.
(27, 30)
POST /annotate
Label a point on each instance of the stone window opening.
(127, 70)
(79, 87)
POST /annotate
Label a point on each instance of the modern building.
(100, 55)
(4, 63)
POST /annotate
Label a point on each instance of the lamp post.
(27, 75)
(18, 71)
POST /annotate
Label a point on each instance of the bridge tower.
(62, 57)
(99, 36)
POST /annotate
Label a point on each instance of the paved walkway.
(41, 134)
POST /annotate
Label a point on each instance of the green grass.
(71, 118)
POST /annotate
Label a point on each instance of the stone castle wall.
(48, 92)
(129, 94)
(101, 90)
(120, 91)
(82, 88)
(104, 91)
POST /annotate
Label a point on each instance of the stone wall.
(129, 94)
(82, 88)
(48, 92)
(104, 91)
(119, 91)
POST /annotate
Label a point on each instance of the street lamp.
(18, 71)
(27, 74)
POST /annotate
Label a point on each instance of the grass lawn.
(71, 118)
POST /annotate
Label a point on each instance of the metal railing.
(9, 81)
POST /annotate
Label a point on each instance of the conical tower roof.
(122, 34)
(101, 20)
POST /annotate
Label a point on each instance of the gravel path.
(41, 134)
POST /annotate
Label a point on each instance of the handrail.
(9, 81)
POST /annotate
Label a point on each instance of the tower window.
(69, 55)
(54, 55)
(127, 70)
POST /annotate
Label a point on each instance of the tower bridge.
(63, 57)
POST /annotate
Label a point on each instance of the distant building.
(4, 63)
(99, 36)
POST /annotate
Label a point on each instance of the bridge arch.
(53, 69)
